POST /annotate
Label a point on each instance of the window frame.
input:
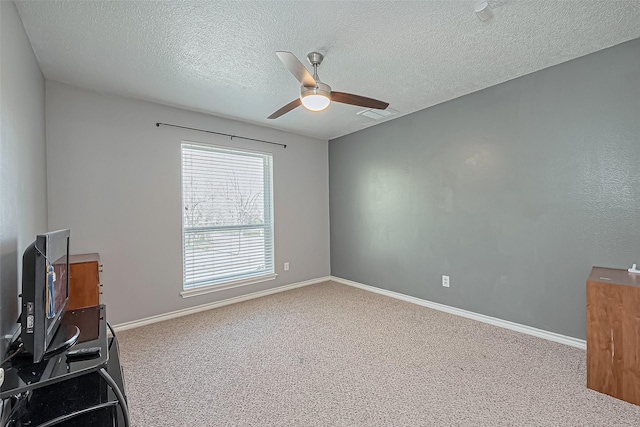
(231, 281)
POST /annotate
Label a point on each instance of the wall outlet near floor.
(445, 281)
(286, 266)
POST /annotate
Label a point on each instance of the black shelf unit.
(71, 393)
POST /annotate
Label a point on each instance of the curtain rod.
(223, 134)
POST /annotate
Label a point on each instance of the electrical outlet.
(286, 266)
(445, 281)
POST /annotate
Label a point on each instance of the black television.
(45, 295)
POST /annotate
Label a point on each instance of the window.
(227, 218)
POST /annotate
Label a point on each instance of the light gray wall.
(23, 186)
(114, 180)
(515, 191)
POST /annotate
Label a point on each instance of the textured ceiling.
(219, 57)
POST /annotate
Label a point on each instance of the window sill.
(227, 285)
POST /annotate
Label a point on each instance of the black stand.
(65, 337)
(70, 392)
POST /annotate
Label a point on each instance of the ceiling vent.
(374, 114)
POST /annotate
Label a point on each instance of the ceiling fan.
(315, 95)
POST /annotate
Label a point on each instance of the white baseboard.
(540, 333)
(191, 310)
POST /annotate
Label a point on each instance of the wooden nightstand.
(613, 333)
(84, 281)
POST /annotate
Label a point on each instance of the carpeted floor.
(333, 355)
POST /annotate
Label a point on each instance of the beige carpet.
(332, 355)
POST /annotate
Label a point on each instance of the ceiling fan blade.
(296, 68)
(361, 101)
(284, 110)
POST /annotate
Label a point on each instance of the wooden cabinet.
(84, 281)
(613, 333)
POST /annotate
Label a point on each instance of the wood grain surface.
(613, 334)
(84, 283)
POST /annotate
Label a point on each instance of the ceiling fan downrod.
(315, 59)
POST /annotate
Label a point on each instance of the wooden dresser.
(613, 333)
(84, 281)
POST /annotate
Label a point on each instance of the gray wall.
(114, 180)
(514, 191)
(23, 186)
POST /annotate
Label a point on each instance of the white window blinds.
(227, 216)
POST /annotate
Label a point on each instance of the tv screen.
(45, 290)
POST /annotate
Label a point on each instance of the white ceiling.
(219, 57)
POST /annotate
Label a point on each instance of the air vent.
(374, 114)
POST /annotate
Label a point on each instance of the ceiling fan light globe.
(316, 98)
(315, 102)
